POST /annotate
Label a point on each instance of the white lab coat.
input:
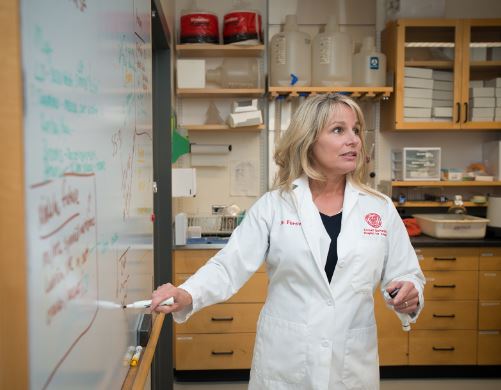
(312, 335)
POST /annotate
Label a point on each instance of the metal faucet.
(458, 206)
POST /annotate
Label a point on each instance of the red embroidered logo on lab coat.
(374, 220)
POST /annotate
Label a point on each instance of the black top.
(333, 226)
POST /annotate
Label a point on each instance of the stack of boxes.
(418, 93)
(443, 96)
(482, 101)
(496, 85)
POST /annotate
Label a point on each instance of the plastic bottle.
(235, 73)
(332, 55)
(290, 57)
(369, 66)
(198, 26)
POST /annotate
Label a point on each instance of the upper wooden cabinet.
(455, 55)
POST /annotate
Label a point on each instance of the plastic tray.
(452, 225)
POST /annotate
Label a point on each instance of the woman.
(320, 223)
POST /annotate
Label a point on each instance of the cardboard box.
(418, 93)
(417, 102)
(190, 73)
(422, 73)
(415, 82)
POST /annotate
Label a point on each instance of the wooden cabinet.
(489, 313)
(221, 336)
(460, 53)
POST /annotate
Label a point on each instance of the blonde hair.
(294, 152)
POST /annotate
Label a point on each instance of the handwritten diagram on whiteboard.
(88, 158)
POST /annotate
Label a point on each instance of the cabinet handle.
(458, 105)
(465, 112)
(444, 315)
(446, 258)
(444, 285)
(444, 348)
(222, 352)
(222, 319)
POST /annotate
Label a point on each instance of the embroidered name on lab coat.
(289, 222)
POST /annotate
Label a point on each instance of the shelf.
(221, 128)
(431, 64)
(485, 64)
(446, 183)
(219, 92)
(413, 203)
(213, 50)
(361, 93)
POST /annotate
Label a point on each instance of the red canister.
(199, 27)
(243, 27)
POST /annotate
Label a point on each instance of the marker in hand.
(147, 303)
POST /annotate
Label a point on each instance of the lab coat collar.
(317, 238)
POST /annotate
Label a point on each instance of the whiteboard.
(88, 181)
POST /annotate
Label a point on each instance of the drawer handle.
(444, 348)
(446, 258)
(222, 319)
(444, 315)
(444, 285)
(222, 352)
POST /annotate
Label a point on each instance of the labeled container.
(290, 56)
(416, 164)
(332, 55)
(369, 66)
(243, 27)
(452, 225)
(198, 26)
(236, 73)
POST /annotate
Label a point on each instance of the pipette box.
(415, 164)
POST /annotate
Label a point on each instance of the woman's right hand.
(182, 298)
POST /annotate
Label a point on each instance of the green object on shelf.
(180, 145)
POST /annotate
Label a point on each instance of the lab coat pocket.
(361, 365)
(280, 350)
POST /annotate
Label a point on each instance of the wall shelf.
(446, 183)
(221, 128)
(424, 203)
(362, 93)
(219, 92)
(212, 50)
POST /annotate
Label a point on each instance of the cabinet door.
(427, 74)
(481, 108)
(489, 345)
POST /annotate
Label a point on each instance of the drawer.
(451, 285)
(448, 258)
(489, 285)
(448, 315)
(489, 315)
(254, 291)
(224, 318)
(189, 261)
(490, 259)
(214, 351)
(442, 347)
(489, 347)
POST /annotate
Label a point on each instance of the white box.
(478, 54)
(443, 75)
(416, 163)
(418, 93)
(442, 112)
(452, 225)
(484, 112)
(497, 92)
(442, 103)
(497, 112)
(190, 73)
(422, 73)
(481, 118)
(482, 92)
(415, 82)
(493, 82)
(417, 102)
(184, 182)
(417, 112)
(442, 85)
(241, 119)
(483, 102)
(476, 83)
(442, 95)
(244, 105)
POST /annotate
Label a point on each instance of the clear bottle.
(290, 57)
(369, 66)
(235, 73)
(332, 56)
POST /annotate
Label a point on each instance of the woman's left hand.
(407, 299)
